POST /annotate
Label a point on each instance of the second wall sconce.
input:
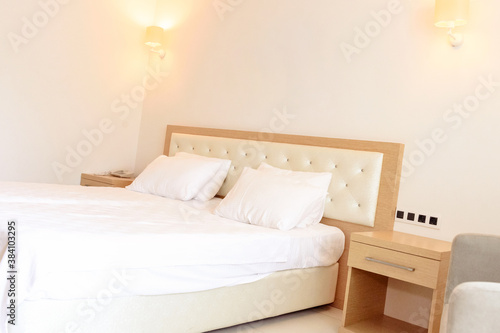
(154, 39)
(450, 14)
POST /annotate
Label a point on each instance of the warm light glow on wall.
(141, 12)
(166, 24)
(172, 13)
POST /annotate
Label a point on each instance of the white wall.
(237, 66)
(64, 67)
(260, 57)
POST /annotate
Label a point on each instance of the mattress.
(74, 242)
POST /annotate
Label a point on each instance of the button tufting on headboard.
(353, 192)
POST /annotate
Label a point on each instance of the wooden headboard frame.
(388, 187)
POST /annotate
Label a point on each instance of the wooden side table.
(379, 255)
(110, 181)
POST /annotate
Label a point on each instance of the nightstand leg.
(436, 310)
(438, 297)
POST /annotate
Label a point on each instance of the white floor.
(324, 319)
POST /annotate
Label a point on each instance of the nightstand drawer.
(394, 264)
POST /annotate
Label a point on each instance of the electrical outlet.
(433, 221)
(423, 220)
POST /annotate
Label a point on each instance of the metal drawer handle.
(390, 264)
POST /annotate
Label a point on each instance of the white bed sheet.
(78, 242)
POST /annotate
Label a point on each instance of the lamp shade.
(154, 36)
(451, 13)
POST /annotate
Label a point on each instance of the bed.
(362, 196)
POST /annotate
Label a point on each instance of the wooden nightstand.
(376, 256)
(110, 181)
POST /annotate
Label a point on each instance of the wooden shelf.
(382, 324)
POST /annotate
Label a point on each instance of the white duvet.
(74, 241)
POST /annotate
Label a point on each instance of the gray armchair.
(472, 298)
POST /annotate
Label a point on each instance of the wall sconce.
(154, 38)
(450, 14)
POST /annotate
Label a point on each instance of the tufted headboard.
(353, 191)
(365, 174)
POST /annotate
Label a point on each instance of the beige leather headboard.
(371, 170)
(355, 182)
(365, 178)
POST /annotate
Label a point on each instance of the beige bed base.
(279, 293)
(276, 294)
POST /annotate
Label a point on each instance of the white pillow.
(320, 179)
(275, 200)
(177, 177)
(210, 189)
